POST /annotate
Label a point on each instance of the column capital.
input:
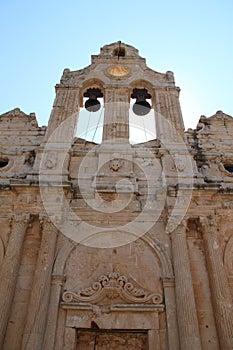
(209, 223)
(48, 224)
(174, 228)
(19, 217)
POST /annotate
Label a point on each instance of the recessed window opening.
(119, 52)
(141, 127)
(3, 162)
(90, 124)
(229, 167)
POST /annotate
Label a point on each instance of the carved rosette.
(111, 286)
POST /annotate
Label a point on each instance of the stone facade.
(116, 245)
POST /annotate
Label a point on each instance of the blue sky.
(192, 38)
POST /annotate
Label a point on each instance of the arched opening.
(119, 52)
(229, 168)
(3, 162)
(90, 124)
(141, 116)
(91, 115)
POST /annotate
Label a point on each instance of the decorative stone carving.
(175, 225)
(114, 341)
(49, 223)
(170, 76)
(110, 286)
(180, 165)
(116, 164)
(51, 160)
(209, 224)
(118, 71)
(148, 162)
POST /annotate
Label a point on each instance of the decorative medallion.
(118, 71)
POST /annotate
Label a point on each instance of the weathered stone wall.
(127, 245)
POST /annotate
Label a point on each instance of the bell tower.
(118, 74)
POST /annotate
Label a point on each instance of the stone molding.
(112, 285)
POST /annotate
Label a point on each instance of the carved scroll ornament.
(111, 286)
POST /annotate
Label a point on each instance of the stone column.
(10, 268)
(66, 105)
(116, 115)
(57, 282)
(185, 301)
(170, 304)
(38, 306)
(168, 113)
(221, 295)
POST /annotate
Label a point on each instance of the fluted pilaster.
(66, 105)
(221, 295)
(10, 267)
(185, 301)
(38, 305)
(57, 282)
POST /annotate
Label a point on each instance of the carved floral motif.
(111, 286)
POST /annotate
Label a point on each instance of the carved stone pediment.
(111, 286)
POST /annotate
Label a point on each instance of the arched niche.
(154, 245)
(136, 261)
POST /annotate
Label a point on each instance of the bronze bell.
(141, 106)
(92, 104)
